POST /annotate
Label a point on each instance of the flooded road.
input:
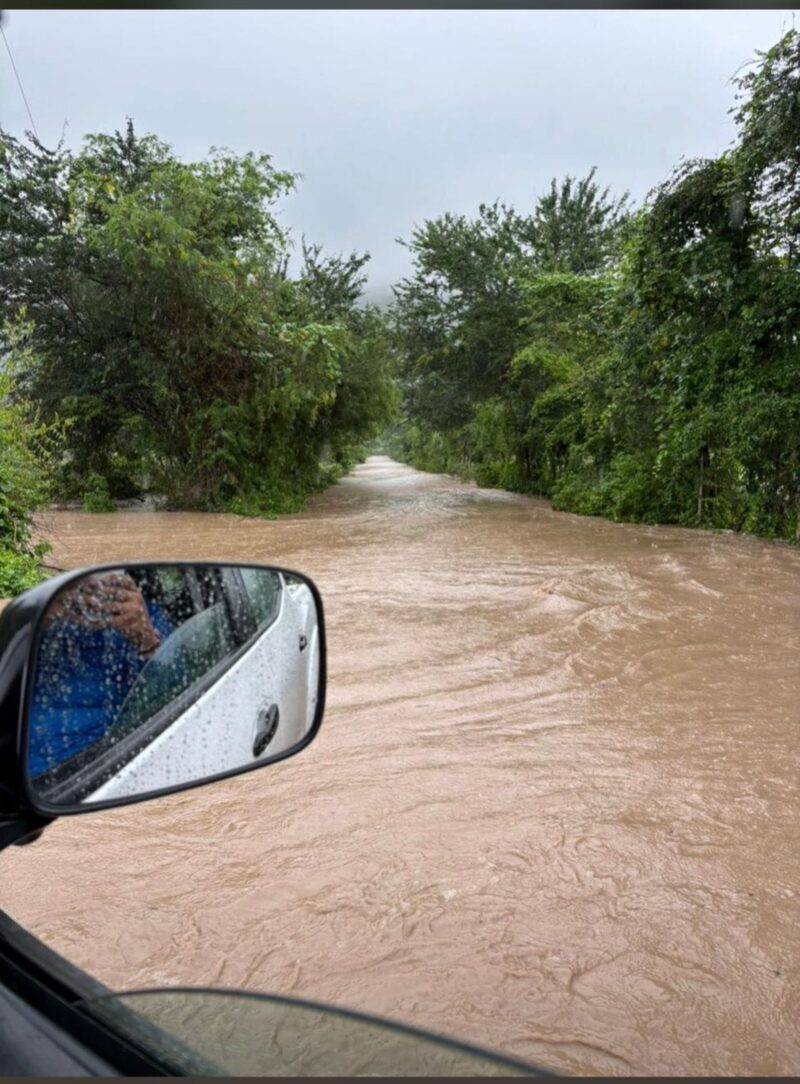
(552, 808)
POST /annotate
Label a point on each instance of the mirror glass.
(147, 677)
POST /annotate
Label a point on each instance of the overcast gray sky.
(395, 116)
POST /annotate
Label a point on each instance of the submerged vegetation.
(641, 364)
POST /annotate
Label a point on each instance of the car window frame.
(261, 625)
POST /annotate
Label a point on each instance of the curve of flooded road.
(552, 807)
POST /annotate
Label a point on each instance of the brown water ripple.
(553, 807)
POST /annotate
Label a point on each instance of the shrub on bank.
(96, 496)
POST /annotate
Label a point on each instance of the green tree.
(552, 380)
(28, 448)
(641, 366)
(168, 328)
(457, 316)
(333, 285)
(768, 118)
(576, 227)
(472, 332)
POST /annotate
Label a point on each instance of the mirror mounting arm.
(22, 830)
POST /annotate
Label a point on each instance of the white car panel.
(217, 732)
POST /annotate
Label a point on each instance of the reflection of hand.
(131, 617)
(108, 600)
(79, 605)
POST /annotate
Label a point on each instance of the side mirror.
(149, 678)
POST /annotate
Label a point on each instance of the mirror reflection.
(152, 677)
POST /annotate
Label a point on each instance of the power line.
(19, 81)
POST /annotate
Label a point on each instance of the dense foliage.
(28, 450)
(642, 366)
(168, 333)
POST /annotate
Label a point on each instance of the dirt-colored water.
(553, 807)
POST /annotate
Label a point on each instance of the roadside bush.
(96, 496)
(19, 571)
(27, 450)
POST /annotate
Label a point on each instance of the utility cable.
(19, 82)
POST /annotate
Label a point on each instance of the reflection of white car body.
(232, 722)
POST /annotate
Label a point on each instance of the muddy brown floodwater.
(553, 806)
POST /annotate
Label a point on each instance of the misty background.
(393, 117)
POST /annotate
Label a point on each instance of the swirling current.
(552, 809)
